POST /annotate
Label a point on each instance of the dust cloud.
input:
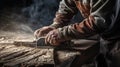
(15, 27)
(22, 33)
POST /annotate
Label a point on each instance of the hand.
(53, 38)
(43, 31)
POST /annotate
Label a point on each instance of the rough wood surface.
(11, 55)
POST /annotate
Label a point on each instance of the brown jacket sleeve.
(98, 21)
(67, 9)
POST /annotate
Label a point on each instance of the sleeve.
(99, 20)
(67, 9)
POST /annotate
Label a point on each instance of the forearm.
(98, 22)
(66, 11)
(80, 30)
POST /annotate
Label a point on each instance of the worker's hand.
(43, 31)
(53, 38)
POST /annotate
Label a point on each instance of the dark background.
(19, 18)
(34, 13)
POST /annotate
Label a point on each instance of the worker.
(100, 17)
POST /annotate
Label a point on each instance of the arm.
(100, 19)
(66, 11)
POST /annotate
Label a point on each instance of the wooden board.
(11, 55)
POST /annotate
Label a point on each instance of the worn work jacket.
(100, 17)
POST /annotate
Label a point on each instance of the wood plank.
(44, 59)
(16, 54)
(24, 59)
(21, 56)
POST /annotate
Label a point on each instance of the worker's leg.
(110, 54)
(114, 55)
(86, 52)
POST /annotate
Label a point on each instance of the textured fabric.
(66, 11)
(101, 17)
(109, 54)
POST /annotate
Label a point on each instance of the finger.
(55, 41)
(52, 39)
(36, 33)
(46, 39)
(41, 33)
(49, 39)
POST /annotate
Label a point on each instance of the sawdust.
(7, 37)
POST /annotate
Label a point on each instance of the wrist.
(56, 25)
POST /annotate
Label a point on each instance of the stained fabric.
(100, 17)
